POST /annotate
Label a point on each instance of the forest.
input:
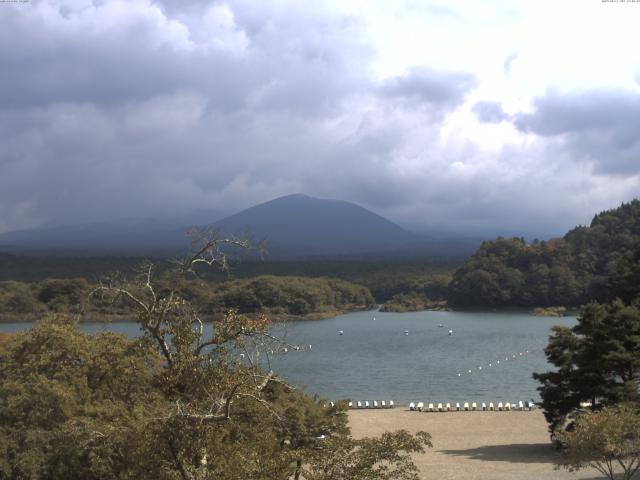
(277, 296)
(567, 271)
(33, 286)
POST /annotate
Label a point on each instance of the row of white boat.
(372, 404)
(471, 407)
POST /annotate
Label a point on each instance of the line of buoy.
(495, 363)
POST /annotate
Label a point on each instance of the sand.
(475, 445)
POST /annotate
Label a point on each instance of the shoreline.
(110, 318)
(474, 445)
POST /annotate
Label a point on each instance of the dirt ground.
(475, 445)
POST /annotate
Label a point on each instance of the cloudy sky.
(460, 115)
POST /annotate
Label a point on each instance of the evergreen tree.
(598, 361)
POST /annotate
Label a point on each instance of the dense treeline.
(567, 271)
(285, 295)
(412, 302)
(33, 268)
(269, 294)
(386, 280)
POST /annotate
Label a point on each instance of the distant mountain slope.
(117, 236)
(293, 227)
(566, 271)
(298, 224)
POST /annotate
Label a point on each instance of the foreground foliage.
(187, 400)
(608, 440)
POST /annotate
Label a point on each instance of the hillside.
(568, 271)
(124, 236)
(292, 227)
(302, 225)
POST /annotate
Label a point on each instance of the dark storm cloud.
(490, 112)
(440, 89)
(73, 58)
(153, 109)
(598, 126)
(115, 109)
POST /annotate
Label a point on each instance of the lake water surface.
(375, 359)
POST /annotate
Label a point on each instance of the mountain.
(301, 225)
(294, 226)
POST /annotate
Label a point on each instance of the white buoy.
(450, 332)
(341, 332)
(459, 374)
(406, 332)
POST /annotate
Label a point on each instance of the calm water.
(375, 359)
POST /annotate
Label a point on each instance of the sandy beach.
(475, 445)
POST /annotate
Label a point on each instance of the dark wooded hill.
(581, 266)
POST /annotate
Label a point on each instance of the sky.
(458, 116)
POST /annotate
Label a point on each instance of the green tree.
(597, 360)
(385, 458)
(608, 440)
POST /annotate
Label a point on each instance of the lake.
(376, 360)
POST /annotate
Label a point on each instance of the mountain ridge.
(293, 226)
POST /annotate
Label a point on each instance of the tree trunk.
(298, 470)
